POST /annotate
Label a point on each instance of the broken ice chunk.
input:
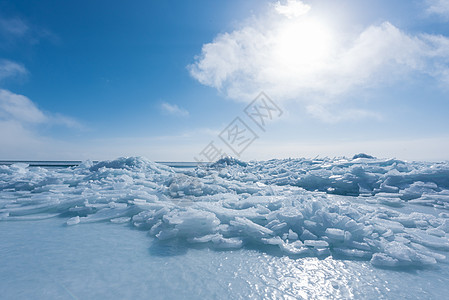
(73, 221)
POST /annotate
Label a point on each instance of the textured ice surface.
(389, 212)
(44, 260)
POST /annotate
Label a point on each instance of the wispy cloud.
(62, 120)
(438, 7)
(292, 54)
(18, 108)
(330, 114)
(173, 109)
(15, 30)
(13, 26)
(20, 122)
(11, 69)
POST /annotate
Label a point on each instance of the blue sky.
(162, 79)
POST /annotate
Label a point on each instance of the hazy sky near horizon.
(162, 79)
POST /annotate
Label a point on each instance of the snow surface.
(391, 213)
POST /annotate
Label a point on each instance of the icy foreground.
(389, 212)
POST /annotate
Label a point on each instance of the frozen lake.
(130, 228)
(47, 260)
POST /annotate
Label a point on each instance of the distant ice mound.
(390, 212)
(228, 161)
(363, 155)
(129, 163)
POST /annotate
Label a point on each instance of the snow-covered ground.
(298, 227)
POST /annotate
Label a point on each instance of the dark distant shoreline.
(74, 163)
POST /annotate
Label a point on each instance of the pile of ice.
(418, 182)
(360, 208)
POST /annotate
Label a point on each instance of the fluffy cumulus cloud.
(292, 54)
(438, 7)
(173, 109)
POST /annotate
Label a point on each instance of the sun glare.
(304, 43)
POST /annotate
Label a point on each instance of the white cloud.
(20, 122)
(69, 122)
(438, 7)
(19, 108)
(302, 58)
(173, 109)
(15, 30)
(292, 9)
(13, 26)
(10, 69)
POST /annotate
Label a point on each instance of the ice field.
(303, 228)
